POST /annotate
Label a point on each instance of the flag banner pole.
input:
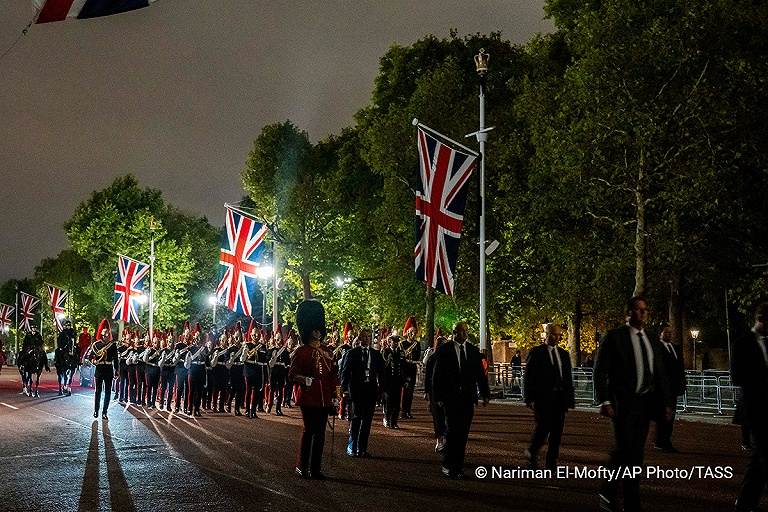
(435, 132)
(133, 259)
(237, 209)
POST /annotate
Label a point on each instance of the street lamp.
(264, 272)
(213, 300)
(695, 336)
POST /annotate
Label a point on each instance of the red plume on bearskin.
(251, 327)
(410, 323)
(102, 326)
(186, 327)
(347, 328)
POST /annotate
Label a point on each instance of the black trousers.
(360, 419)
(254, 387)
(409, 385)
(196, 386)
(392, 404)
(276, 388)
(458, 420)
(549, 418)
(664, 432)
(141, 383)
(103, 382)
(166, 386)
(153, 381)
(756, 474)
(236, 386)
(123, 382)
(182, 388)
(312, 438)
(220, 387)
(630, 428)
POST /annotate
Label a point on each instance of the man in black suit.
(549, 392)
(749, 369)
(673, 359)
(361, 376)
(632, 388)
(457, 374)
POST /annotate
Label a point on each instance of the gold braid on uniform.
(321, 359)
(100, 353)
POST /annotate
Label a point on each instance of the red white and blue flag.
(28, 305)
(58, 299)
(239, 261)
(444, 173)
(129, 283)
(59, 10)
(5, 317)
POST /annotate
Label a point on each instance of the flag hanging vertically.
(5, 317)
(58, 299)
(239, 260)
(440, 200)
(28, 305)
(59, 10)
(129, 283)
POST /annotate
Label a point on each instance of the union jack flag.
(58, 299)
(28, 305)
(5, 317)
(444, 173)
(128, 285)
(239, 260)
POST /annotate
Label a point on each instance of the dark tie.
(646, 378)
(365, 356)
(462, 358)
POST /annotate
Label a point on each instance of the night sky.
(176, 93)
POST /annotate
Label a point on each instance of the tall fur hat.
(310, 317)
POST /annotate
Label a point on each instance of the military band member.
(219, 359)
(122, 383)
(104, 355)
(182, 374)
(151, 358)
(411, 358)
(131, 358)
(393, 360)
(196, 360)
(167, 372)
(141, 369)
(254, 368)
(279, 361)
(210, 342)
(235, 365)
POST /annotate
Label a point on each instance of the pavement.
(54, 457)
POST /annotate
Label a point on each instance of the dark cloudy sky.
(177, 92)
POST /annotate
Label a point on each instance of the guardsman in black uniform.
(235, 364)
(411, 359)
(210, 342)
(167, 371)
(141, 369)
(196, 361)
(253, 371)
(104, 355)
(219, 359)
(151, 359)
(393, 359)
(279, 361)
(182, 375)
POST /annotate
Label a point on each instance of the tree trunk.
(429, 328)
(574, 334)
(640, 256)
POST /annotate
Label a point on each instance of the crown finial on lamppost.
(481, 62)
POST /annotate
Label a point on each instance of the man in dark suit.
(749, 369)
(362, 375)
(673, 359)
(549, 392)
(458, 373)
(632, 388)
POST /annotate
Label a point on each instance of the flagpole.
(152, 280)
(481, 61)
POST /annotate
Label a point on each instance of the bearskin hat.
(310, 317)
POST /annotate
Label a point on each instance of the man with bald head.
(456, 376)
(548, 387)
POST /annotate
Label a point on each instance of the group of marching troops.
(197, 371)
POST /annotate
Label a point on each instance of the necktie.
(365, 357)
(462, 357)
(646, 379)
(556, 363)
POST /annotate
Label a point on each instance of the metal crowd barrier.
(710, 391)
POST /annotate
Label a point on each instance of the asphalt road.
(55, 457)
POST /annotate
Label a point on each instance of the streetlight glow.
(265, 271)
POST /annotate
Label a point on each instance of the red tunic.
(318, 364)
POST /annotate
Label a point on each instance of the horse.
(31, 362)
(67, 359)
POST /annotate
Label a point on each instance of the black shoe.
(198, 413)
(104, 416)
(253, 414)
(316, 475)
(176, 411)
(279, 413)
(395, 426)
(96, 414)
(260, 409)
(364, 455)
(269, 409)
(301, 473)
(386, 423)
(229, 409)
(238, 413)
(746, 447)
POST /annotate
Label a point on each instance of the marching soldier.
(195, 362)
(254, 365)
(141, 369)
(393, 371)
(182, 374)
(219, 359)
(151, 359)
(411, 358)
(279, 361)
(167, 371)
(104, 355)
(235, 365)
